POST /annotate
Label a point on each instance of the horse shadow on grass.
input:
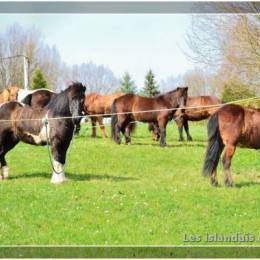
(77, 177)
(186, 144)
(246, 184)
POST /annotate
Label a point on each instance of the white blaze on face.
(58, 175)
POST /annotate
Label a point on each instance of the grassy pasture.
(139, 194)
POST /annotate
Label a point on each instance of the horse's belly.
(35, 139)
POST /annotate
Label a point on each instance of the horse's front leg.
(179, 123)
(162, 122)
(58, 161)
(93, 123)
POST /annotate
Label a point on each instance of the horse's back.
(205, 107)
(239, 126)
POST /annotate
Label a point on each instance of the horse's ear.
(177, 88)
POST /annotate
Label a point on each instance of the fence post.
(26, 72)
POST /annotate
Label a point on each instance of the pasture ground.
(127, 195)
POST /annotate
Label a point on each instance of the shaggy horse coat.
(28, 125)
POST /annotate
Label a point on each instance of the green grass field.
(127, 195)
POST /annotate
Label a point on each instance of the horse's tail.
(114, 120)
(215, 146)
(27, 100)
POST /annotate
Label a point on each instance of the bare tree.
(97, 78)
(229, 45)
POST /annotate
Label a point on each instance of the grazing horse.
(37, 127)
(128, 107)
(194, 114)
(9, 94)
(96, 104)
(230, 126)
(197, 114)
(38, 98)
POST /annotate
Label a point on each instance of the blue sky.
(133, 43)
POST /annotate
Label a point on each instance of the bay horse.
(96, 104)
(195, 114)
(37, 127)
(129, 105)
(9, 94)
(231, 126)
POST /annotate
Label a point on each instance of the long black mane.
(59, 104)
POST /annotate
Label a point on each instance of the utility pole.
(26, 65)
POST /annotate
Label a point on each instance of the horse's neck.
(170, 99)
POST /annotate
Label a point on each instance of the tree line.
(224, 49)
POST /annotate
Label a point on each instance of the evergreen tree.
(127, 85)
(150, 86)
(38, 80)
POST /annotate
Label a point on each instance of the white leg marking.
(58, 175)
(5, 172)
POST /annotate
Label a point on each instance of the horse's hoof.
(58, 178)
(5, 172)
(189, 139)
(228, 183)
(163, 145)
(214, 184)
(180, 140)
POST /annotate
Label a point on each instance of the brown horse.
(9, 94)
(128, 107)
(195, 114)
(230, 126)
(39, 98)
(96, 104)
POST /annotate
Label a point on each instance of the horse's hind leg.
(230, 150)
(120, 127)
(93, 123)
(186, 127)
(102, 127)
(7, 143)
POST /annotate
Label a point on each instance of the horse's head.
(13, 92)
(76, 94)
(182, 96)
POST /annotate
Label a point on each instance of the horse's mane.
(167, 93)
(59, 104)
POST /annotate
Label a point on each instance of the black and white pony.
(42, 126)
